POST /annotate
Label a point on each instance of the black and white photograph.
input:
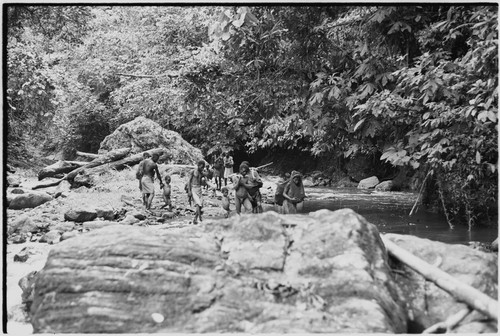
(250, 168)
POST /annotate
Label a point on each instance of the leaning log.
(459, 290)
(87, 155)
(126, 162)
(109, 158)
(60, 167)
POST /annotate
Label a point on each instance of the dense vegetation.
(415, 86)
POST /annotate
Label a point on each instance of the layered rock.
(326, 272)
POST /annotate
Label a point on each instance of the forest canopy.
(414, 86)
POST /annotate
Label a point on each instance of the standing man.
(228, 164)
(150, 168)
(194, 184)
(140, 170)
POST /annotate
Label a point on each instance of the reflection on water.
(389, 211)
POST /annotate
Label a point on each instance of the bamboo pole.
(459, 290)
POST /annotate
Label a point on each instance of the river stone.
(17, 191)
(13, 181)
(64, 186)
(142, 134)
(385, 186)
(105, 212)
(429, 304)
(83, 180)
(69, 235)
(368, 183)
(51, 237)
(327, 272)
(29, 199)
(23, 255)
(96, 224)
(129, 220)
(22, 224)
(80, 215)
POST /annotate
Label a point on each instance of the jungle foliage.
(414, 85)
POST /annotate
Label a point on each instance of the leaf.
(478, 157)
(359, 124)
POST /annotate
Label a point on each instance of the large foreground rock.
(142, 134)
(429, 304)
(326, 272)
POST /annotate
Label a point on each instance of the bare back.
(149, 168)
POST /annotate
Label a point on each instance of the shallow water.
(389, 211)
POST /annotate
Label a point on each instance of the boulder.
(22, 224)
(13, 181)
(266, 273)
(142, 134)
(129, 220)
(18, 238)
(80, 215)
(17, 191)
(368, 183)
(105, 212)
(83, 180)
(427, 303)
(385, 186)
(29, 199)
(51, 237)
(494, 245)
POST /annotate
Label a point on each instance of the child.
(225, 201)
(166, 193)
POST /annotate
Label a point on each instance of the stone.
(385, 186)
(368, 183)
(138, 214)
(13, 181)
(80, 215)
(23, 255)
(326, 272)
(27, 285)
(142, 134)
(129, 220)
(83, 180)
(105, 212)
(19, 238)
(17, 191)
(62, 226)
(22, 224)
(428, 304)
(69, 235)
(97, 224)
(29, 199)
(51, 237)
(63, 187)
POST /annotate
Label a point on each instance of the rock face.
(427, 303)
(29, 200)
(266, 273)
(142, 134)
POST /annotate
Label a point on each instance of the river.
(389, 211)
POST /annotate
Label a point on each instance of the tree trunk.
(113, 158)
(60, 167)
(457, 289)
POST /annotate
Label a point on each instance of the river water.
(389, 211)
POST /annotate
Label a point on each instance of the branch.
(459, 290)
(146, 76)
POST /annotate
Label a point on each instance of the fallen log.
(60, 167)
(459, 290)
(450, 323)
(87, 155)
(109, 158)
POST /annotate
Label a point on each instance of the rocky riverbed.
(102, 243)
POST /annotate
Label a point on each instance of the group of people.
(289, 196)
